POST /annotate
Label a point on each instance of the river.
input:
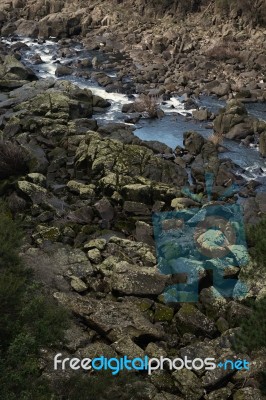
(169, 129)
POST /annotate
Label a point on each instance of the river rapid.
(169, 129)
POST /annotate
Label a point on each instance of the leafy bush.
(256, 239)
(102, 386)
(28, 321)
(252, 335)
(10, 241)
(13, 161)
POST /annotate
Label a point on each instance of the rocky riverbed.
(92, 186)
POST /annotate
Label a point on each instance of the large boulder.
(112, 165)
(233, 121)
(14, 74)
(63, 70)
(232, 114)
(193, 142)
(27, 28)
(50, 112)
(190, 319)
(60, 24)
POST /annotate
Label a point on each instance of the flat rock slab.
(111, 319)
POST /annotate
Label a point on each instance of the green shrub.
(103, 386)
(256, 239)
(29, 320)
(10, 241)
(252, 334)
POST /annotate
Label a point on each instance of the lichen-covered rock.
(201, 349)
(126, 347)
(248, 393)
(33, 191)
(114, 320)
(14, 74)
(212, 378)
(99, 244)
(130, 279)
(166, 396)
(220, 394)
(233, 121)
(78, 285)
(94, 255)
(51, 233)
(190, 319)
(98, 158)
(153, 350)
(163, 313)
(85, 191)
(213, 302)
(97, 349)
(55, 103)
(136, 252)
(189, 384)
(132, 207)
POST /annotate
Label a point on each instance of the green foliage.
(10, 241)
(252, 334)
(28, 321)
(103, 386)
(256, 239)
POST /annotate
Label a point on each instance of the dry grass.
(216, 138)
(147, 104)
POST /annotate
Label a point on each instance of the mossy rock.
(163, 313)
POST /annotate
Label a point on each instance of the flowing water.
(168, 129)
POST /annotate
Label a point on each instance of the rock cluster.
(87, 202)
(225, 58)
